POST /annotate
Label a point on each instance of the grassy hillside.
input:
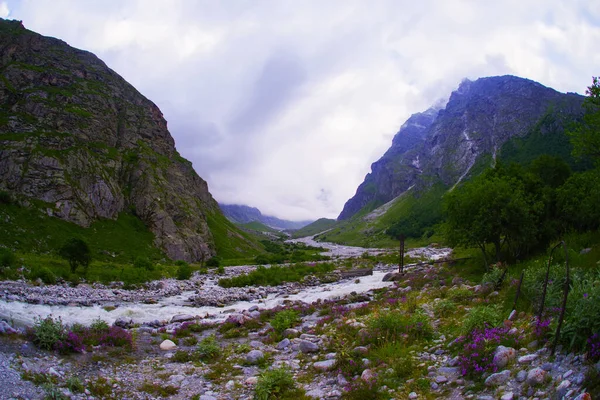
(230, 242)
(320, 225)
(413, 214)
(30, 230)
(258, 227)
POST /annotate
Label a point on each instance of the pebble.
(521, 376)
(527, 358)
(507, 396)
(413, 395)
(503, 356)
(367, 375)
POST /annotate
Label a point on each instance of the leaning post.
(401, 263)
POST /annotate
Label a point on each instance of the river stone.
(526, 359)
(5, 328)
(291, 333)
(316, 393)
(561, 390)
(167, 345)
(362, 350)
(254, 357)
(521, 376)
(367, 375)
(124, 323)
(308, 347)
(503, 356)
(253, 380)
(283, 344)
(498, 378)
(413, 396)
(536, 376)
(392, 277)
(326, 365)
(182, 318)
(207, 397)
(513, 315)
(507, 396)
(441, 379)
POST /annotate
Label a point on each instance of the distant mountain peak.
(242, 214)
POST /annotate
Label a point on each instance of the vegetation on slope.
(320, 225)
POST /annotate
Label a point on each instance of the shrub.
(273, 384)
(283, 320)
(276, 275)
(208, 349)
(44, 274)
(481, 317)
(143, 262)
(593, 348)
(75, 385)
(184, 271)
(76, 252)
(460, 294)
(5, 197)
(397, 326)
(444, 307)
(72, 343)
(48, 332)
(476, 354)
(492, 276)
(583, 307)
(7, 258)
(213, 262)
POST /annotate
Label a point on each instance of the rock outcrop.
(445, 145)
(80, 143)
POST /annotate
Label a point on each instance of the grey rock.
(291, 333)
(308, 347)
(547, 366)
(284, 344)
(562, 388)
(527, 359)
(536, 376)
(182, 318)
(316, 393)
(441, 379)
(124, 323)
(507, 396)
(326, 365)
(521, 376)
(254, 357)
(498, 378)
(503, 356)
(367, 375)
(413, 396)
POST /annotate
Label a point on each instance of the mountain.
(489, 120)
(80, 143)
(445, 145)
(320, 225)
(240, 214)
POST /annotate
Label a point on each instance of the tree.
(585, 136)
(493, 209)
(76, 252)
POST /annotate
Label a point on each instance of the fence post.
(564, 303)
(401, 263)
(518, 290)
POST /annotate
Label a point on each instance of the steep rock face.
(79, 141)
(478, 119)
(397, 169)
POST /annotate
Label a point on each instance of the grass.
(276, 275)
(318, 226)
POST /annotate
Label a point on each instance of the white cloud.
(4, 10)
(283, 105)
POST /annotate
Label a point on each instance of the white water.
(24, 314)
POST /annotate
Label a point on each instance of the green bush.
(47, 332)
(143, 262)
(75, 385)
(492, 276)
(533, 285)
(444, 307)
(208, 349)
(213, 262)
(133, 276)
(460, 294)
(481, 316)
(7, 258)
(396, 325)
(44, 274)
(184, 271)
(275, 384)
(5, 197)
(276, 275)
(583, 309)
(283, 320)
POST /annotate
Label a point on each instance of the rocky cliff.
(445, 145)
(79, 142)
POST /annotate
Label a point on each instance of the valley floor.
(392, 342)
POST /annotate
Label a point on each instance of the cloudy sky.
(284, 104)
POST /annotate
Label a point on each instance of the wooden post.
(401, 263)
(518, 290)
(564, 303)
